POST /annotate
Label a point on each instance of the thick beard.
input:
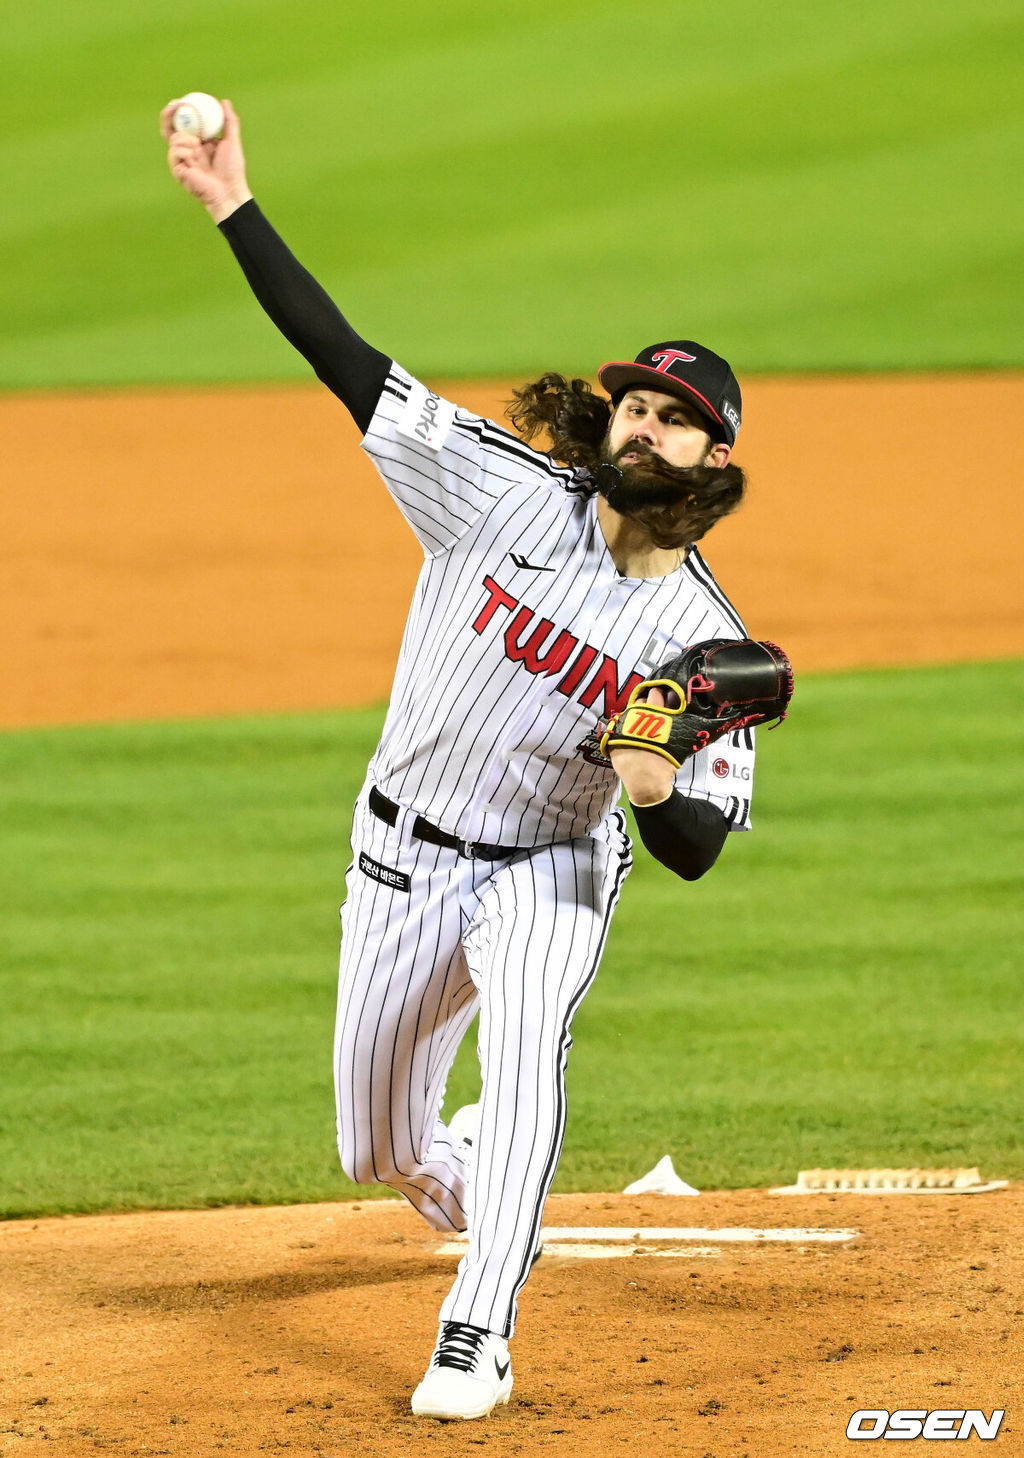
(651, 481)
(675, 505)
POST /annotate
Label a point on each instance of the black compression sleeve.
(305, 314)
(685, 835)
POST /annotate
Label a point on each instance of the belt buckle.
(468, 849)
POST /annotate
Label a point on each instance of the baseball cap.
(688, 370)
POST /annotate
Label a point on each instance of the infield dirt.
(222, 551)
(304, 1330)
(193, 553)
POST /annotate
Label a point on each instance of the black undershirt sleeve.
(685, 835)
(306, 315)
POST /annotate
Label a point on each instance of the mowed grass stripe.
(526, 187)
(842, 989)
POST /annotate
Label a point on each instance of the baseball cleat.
(470, 1373)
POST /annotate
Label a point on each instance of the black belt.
(387, 810)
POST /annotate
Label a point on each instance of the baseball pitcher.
(566, 639)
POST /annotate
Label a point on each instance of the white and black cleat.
(469, 1375)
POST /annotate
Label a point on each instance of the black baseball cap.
(688, 370)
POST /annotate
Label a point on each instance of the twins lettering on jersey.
(539, 653)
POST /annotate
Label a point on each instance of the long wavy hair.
(575, 423)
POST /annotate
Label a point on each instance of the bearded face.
(635, 477)
(682, 502)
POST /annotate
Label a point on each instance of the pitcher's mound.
(303, 1330)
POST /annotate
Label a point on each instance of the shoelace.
(459, 1346)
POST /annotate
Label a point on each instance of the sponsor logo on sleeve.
(724, 769)
(426, 418)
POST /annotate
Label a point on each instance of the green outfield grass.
(844, 988)
(494, 189)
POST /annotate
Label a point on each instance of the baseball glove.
(716, 686)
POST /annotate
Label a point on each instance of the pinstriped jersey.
(523, 635)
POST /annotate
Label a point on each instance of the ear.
(718, 455)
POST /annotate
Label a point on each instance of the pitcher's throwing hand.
(488, 851)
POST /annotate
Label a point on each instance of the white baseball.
(200, 114)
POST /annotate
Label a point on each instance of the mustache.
(675, 504)
(637, 448)
(647, 481)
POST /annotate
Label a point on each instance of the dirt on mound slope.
(303, 1330)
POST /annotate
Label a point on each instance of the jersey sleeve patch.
(723, 773)
(426, 418)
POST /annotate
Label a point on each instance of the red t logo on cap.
(670, 356)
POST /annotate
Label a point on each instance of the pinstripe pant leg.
(533, 949)
(405, 1000)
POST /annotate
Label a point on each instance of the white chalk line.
(597, 1242)
(727, 1234)
(596, 1251)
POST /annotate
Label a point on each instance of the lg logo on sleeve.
(723, 769)
(916, 1422)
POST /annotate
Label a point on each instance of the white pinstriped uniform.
(521, 638)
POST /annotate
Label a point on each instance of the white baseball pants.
(429, 936)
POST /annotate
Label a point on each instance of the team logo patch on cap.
(687, 369)
(666, 358)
